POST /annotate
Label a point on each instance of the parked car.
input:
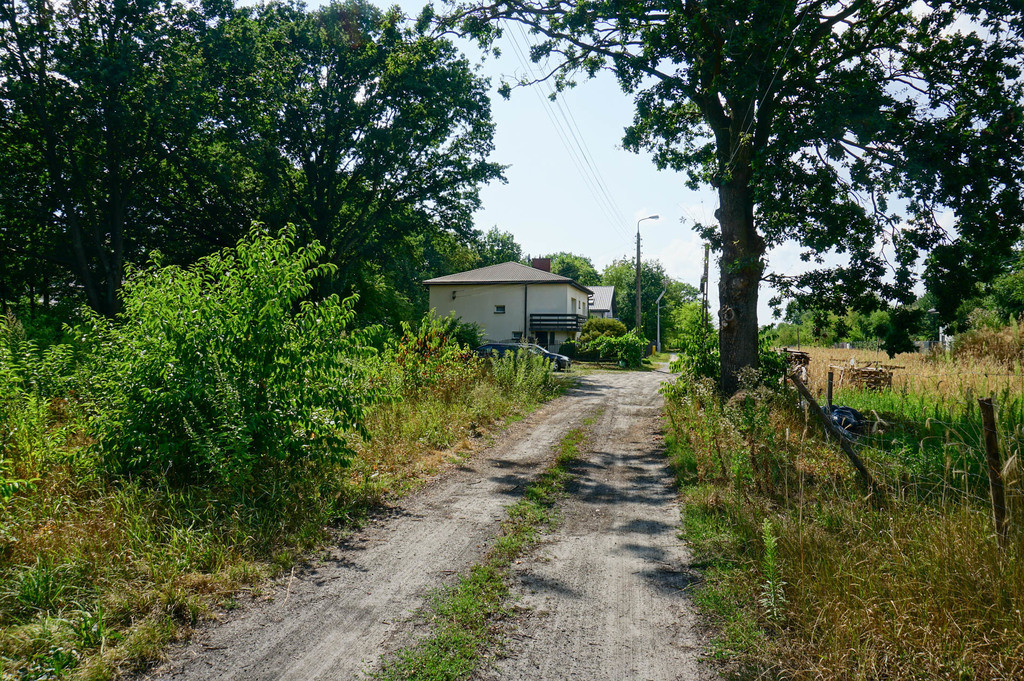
(560, 362)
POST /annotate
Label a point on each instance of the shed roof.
(504, 273)
(602, 297)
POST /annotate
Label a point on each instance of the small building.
(511, 301)
(602, 302)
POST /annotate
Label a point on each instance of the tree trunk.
(741, 267)
(82, 261)
(115, 269)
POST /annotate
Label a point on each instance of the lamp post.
(649, 217)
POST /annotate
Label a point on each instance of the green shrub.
(629, 348)
(699, 354)
(595, 327)
(772, 365)
(222, 374)
(434, 356)
(523, 374)
(584, 352)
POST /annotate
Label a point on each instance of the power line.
(576, 149)
(581, 144)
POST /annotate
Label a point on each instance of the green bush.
(435, 357)
(523, 373)
(772, 365)
(629, 348)
(595, 327)
(583, 352)
(698, 353)
(699, 356)
(223, 374)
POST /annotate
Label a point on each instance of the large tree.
(95, 99)
(495, 247)
(381, 132)
(877, 130)
(137, 125)
(577, 267)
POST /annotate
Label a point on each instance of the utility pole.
(649, 217)
(657, 304)
(704, 288)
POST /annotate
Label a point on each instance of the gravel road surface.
(605, 594)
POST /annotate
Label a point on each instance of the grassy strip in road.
(465, 617)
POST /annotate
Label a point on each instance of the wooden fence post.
(995, 470)
(828, 399)
(844, 444)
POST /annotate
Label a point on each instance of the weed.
(773, 596)
(91, 629)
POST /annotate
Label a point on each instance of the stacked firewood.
(871, 376)
(798, 363)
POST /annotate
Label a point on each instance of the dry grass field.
(939, 375)
(808, 578)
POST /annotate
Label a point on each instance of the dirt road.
(604, 595)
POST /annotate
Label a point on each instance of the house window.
(499, 309)
(574, 305)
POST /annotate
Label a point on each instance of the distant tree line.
(980, 305)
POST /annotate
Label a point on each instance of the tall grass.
(808, 580)
(928, 427)
(99, 571)
(937, 374)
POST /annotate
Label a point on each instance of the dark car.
(560, 362)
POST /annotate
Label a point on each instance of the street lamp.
(649, 217)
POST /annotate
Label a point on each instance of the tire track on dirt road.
(605, 594)
(338, 615)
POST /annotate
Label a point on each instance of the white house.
(510, 301)
(602, 302)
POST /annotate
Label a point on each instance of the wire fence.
(925, 433)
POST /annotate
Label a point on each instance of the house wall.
(477, 304)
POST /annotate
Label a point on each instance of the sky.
(572, 187)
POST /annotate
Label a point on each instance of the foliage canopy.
(132, 126)
(879, 131)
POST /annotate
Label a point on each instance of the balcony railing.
(556, 322)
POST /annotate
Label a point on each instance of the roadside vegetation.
(806, 576)
(155, 466)
(607, 340)
(466, 618)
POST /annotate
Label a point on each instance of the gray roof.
(504, 273)
(602, 297)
